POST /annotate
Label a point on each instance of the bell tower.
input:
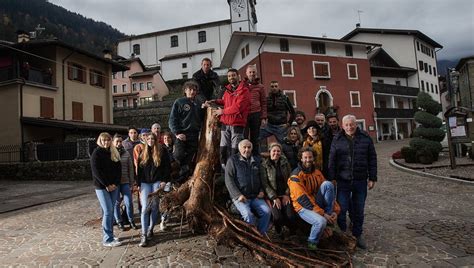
(243, 15)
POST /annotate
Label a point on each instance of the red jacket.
(236, 105)
(258, 97)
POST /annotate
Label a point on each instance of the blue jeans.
(325, 199)
(278, 130)
(148, 220)
(107, 201)
(352, 195)
(260, 207)
(124, 189)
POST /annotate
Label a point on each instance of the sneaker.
(113, 243)
(162, 225)
(133, 225)
(149, 235)
(120, 226)
(361, 243)
(143, 241)
(312, 246)
(116, 238)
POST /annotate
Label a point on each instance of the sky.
(448, 22)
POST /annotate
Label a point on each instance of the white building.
(409, 48)
(178, 52)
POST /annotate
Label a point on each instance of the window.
(430, 69)
(134, 86)
(421, 65)
(76, 72)
(426, 67)
(202, 36)
(355, 98)
(245, 51)
(184, 75)
(436, 89)
(149, 85)
(318, 48)
(400, 104)
(77, 111)
(114, 88)
(174, 41)
(124, 103)
(422, 85)
(361, 124)
(321, 69)
(142, 86)
(287, 68)
(434, 71)
(291, 94)
(352, 71)
(349, 51)
(124, 74)
(184, 65)
(284, 45)
(383, 104)
(115, 103)
(96, 78)
(46, 107)
(398, 83)
(124, 88)
(136, 49)
(432, 88)
(380, 81)
(114, 75)
(418, 45)
(144, 101)
(98, 114)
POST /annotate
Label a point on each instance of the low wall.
(67, 170)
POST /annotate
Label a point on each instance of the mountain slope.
(58, 22)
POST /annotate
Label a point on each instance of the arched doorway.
(324, 101)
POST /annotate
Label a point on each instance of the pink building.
(137, 86)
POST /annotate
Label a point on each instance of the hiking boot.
(143, 241)
(133, 225)
(361, 243)
(312, 246)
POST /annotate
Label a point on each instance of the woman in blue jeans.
(106, 172)
(126, 182)
(153, 173)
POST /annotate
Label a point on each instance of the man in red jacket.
(233, 116)
(258, 108)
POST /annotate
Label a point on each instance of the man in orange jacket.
(313, 197)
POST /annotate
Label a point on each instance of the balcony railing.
(32, 74)
(394, 89)
(394, 113)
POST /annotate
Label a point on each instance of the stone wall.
(67, 170)
(144, 116)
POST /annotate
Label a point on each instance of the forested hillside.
(58, 22)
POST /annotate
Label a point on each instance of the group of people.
(315, 171)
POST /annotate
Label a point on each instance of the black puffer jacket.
(208, 83)
(360, 163)
(291, 150)
(278, 107)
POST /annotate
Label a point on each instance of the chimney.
(107, 54)
(23, 36)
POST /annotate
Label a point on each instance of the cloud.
(450, 23)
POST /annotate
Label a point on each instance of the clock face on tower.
(238, 5)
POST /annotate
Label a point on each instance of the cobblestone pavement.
(410, 221)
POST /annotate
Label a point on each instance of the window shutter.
(46, 107)
(77, 111)
(325, 69)
(98, 114)
(352, 71)
(69, 71)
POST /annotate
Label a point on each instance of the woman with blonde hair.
(106, 172)
(291, 145)
(153, 173)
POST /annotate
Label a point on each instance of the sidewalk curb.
(427, 175)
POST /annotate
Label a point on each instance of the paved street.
(410, 220)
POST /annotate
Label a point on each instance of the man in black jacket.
(353, 166)
(242, 179)
(280, 114)
(185, 122)
(208, 81)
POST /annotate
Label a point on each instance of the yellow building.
(50, 90)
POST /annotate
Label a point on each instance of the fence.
(81, 149)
